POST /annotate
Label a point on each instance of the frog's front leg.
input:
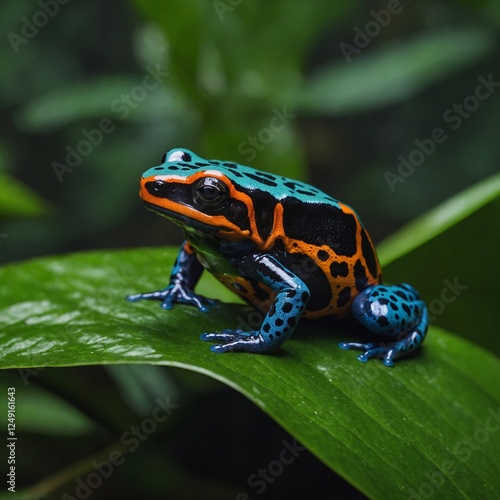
(183, 278)
(394, 312)
(281, 319)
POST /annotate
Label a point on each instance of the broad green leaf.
(394, 71)
(116, 98)
(434, 415)
(450, 255)
(436, 221)
(16, 199)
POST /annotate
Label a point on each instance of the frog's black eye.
(209, 192)
(164, 158)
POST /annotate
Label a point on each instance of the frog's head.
(205, 195)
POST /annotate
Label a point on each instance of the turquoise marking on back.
(174, 164)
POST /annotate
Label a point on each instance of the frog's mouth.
(181, 219)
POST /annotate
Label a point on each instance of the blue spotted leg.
(183, 278)
(282, 318)
(394, 312)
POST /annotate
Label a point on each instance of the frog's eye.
(209, 192)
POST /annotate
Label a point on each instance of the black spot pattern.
(309, 272)
(382, 321)
(339, 269)
(236, 172)
(360, 276)
(307, 193)
(261, 179)
(344, 296)
(322, 255)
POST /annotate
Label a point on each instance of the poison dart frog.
(285, 247)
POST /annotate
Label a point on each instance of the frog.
(285, 247)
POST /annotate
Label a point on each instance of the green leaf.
(434, 415)
(16, 199)
(450, 255)
(436, 221)
(394, 71)
(115, 98)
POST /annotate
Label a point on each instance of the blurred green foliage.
(358, 83)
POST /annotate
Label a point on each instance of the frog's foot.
(236, 340)
(394, 313)
(388, 351)
(175, 293)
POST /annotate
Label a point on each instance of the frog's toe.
(234, 340)
(199, 301)
(379, 352)
(355, 345)
(386, 352)
(158, 294)
(224, 336)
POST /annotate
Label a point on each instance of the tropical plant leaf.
(429, 420)
(393, 72)
(100, 98)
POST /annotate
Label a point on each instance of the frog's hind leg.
(396, 313)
